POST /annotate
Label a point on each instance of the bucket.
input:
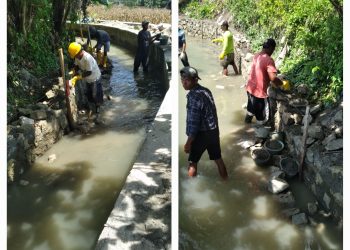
(290, 166)
(260, 156)
(274, 147)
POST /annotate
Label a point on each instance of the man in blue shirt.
(202, 128)
(104, 40)
(182, 48)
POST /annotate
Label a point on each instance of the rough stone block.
(50, 94)
(316, 132)
(299, 219)
(312, 208)
(277, 185)
(26, 120)
(38, 115)
(335, 145)
(326, 200)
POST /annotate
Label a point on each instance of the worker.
(103, 40)
(227, 55)
(87, 69)
(263, 73)
(144, 39)
(182, 47)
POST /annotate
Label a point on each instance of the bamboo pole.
(67, 91)
(303, 148)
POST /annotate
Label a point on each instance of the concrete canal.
(239, 213)
(65, 204)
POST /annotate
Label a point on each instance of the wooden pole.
(66, 88)
(89, 37)
(303, 148)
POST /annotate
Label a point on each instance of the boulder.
(315, 131)
(312, 208)
(303, 89)
(261, 132)
(277, 185)
(289, 212)
(334, 145)
(338, 117)
(26, 120)
(285, 199)
(315, 109)
(287, 119)
(50, 94)
(328, 139)
(339, 132)
(248, 57)
(38, 115)
(299, 219)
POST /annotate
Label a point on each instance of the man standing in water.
(103, 40)
(202, 128)
(182, 47)
(227, 55)
(263, 71)
(90, 72)
(144, 39)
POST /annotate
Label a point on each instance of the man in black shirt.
(144, 39)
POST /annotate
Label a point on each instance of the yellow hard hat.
(73, 49)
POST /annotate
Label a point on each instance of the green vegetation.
(313, 31)
(35, 31)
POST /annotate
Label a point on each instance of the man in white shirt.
(90, 72)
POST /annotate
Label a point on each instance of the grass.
(129, 14)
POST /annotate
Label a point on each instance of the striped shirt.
(201, 111)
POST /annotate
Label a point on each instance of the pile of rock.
(323, 164)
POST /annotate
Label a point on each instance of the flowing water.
(240, 213)
(66, 202)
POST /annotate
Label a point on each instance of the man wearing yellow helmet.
(90, 73)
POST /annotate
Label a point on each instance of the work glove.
(74, 80)
(286, 85)
(221, 56)
(216, 40)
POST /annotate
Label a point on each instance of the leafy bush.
(204, 9)
(313, 30)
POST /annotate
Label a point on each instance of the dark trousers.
(141, 57)
(184, 59)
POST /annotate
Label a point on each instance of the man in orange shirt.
(263, 71)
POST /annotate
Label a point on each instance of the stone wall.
(323, 163)
(38, 127)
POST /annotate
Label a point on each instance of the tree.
(61, 10)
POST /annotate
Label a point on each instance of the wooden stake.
(303, 148)
(66, 88)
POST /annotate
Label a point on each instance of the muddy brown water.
(66, 202)
(238, 214)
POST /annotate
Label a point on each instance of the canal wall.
(323, 164)
(33, 130)
(141, 216)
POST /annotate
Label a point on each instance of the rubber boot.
(105, 59)
(99, 58)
